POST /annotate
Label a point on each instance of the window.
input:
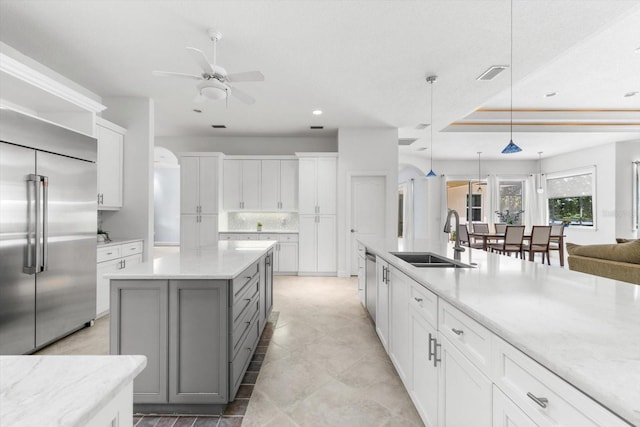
(571, 199)
(476, 207)
(511, 199)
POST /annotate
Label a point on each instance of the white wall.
(604, 159)
(135, 219)
(254, 145)
(626, 152)
(366, 150)
(469, 168)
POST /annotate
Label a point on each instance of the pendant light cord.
(511, 74)
(431, 125)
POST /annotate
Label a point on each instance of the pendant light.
(540, 190)
(431, 80)
(511, 147)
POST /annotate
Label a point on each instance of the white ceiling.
(363, 63)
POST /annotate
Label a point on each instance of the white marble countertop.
(115, 242)
(258, 232)
(225, 260)
(63, 391)
(584, 328)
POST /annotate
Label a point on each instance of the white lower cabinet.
(464, 392)
(425, 371)
(508, 414)
(113, 257)
(382, 302)
(399, 339)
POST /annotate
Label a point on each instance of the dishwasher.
(370, 285)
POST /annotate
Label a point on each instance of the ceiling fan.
(214, 80)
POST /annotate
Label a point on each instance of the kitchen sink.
(429, 260)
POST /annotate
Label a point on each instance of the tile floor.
(325, 365)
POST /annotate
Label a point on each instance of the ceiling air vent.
(219, 126)
(316, 127)
(407, 141)
(492, 72)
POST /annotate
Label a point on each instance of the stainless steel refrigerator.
(47, 232)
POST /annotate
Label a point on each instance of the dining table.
(487, 237)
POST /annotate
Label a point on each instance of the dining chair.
(480, 227)
(539, 242)
(557, 230)
(501, 227)
(512, 242)
(464, 237)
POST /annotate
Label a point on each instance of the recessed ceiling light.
(550, 94)
(195, 110)
(630, 94)
(317, 112)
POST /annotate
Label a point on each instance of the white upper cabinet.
(317, 185)
(241, 184)
(260, 185)
(279, 185)
(110, 164)
(199, 177)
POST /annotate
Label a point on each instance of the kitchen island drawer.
(243, 355)
(241, 323)
(542, 395)
(471, 338)
(109, 253)
(243, 280)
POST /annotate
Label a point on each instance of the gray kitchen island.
(197, 316)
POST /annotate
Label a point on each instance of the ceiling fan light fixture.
(213, 90)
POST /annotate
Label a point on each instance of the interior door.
(368, 217)
(66, 290)
(17, 287)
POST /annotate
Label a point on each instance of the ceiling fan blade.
(247, 76)
(172, 74)
(243, 97)
(201, 60)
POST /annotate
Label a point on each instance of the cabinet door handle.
(436, 359)
(384, 274)
(430, 348)
(124, 263)
(542, 401)
(457, 331)
(417, 299)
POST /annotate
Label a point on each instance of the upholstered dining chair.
(464, 237)
(512, 242)
(539, 242)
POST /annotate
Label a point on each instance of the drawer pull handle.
(457, 331)
(417, 299)
(542, 401)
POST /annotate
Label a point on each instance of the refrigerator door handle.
(32, 225)
(45, 223)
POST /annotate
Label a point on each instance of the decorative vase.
(259, 228)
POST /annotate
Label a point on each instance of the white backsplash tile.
(271, 221)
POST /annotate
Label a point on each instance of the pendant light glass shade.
(431, 174)
(511, 147)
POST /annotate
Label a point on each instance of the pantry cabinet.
(317, 248)
(318, 185)
(197, 231)
(110, 164)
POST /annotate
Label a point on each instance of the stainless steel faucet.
(447, 229)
